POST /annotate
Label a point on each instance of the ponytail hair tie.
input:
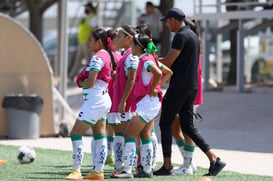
(151, 48)
(109, 42)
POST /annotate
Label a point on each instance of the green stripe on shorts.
(143, 120)
(87, 122)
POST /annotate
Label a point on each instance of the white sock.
(188, 153)
(129, 154)
(110, 148)
(155, 143)
(180, 145)
(101, 152)
(147, 155)
(118, 150)
(77, 155)
(93, 152)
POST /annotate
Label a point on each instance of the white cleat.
(182, 171)
(193, 167)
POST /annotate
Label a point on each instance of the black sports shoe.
(164, 171)
(142, 174)
(216, 167)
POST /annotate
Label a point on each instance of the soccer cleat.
(123, 174)
(138, 169)
(74, 175)
(142, 174)
(193, 167)
(110, 160)
(216, 167)
(182, 171)
(115, 173)
(94, 176)
(163, 171)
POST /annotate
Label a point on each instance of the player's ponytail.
(111, 34)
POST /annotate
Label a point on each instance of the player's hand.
(121, 107)
(153, 93)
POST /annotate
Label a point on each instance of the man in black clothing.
(182, 58)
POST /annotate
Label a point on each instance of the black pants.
(179, 101)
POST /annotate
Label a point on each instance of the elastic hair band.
(109, 42)
(136, 38)
(124, 31)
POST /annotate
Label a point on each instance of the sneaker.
(163, 171)
(74, 175)
(110, 160)
(115, 172)
(139, 169)
(94, 176)
(216, 167)
(182, 171)
(193, 167)
(142, 174)
(123, 174)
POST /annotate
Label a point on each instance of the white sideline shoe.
(193, 167)
(182, 171)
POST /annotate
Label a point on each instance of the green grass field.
(55, 165)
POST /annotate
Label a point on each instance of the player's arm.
(156, 78)
(127, 90)
(90, 81)
(166, 73)
(96, 65)
(132, 69)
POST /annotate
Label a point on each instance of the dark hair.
(149, 3)
(129, 29)
(142, 40)
(91, 5)
(194, 26)
(100, 33)
(112, 33)
(144, 28)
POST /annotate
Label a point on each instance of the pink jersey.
(104, 73)
(199, 96)
(117, 56)
(120, 82)
(141, 90)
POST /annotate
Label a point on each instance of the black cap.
(175, 13)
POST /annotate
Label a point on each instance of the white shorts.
(95, 108)
(115, 118)
(148, 108)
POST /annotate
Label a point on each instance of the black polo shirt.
(185, 67)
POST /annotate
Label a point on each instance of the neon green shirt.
(84, 29)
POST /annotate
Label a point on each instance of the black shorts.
(177, 101)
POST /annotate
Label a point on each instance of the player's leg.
(77, 131)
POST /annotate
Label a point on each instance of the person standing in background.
(152, 18)
(87, 24)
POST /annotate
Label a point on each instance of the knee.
(187, 128)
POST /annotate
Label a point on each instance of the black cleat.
(215, 168)
(163, 171)
(143, 174)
